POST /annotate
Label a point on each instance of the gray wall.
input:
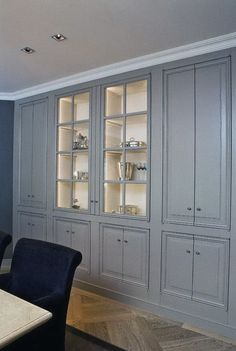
(6, 166)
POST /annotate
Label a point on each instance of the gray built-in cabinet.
(33, 154)
(197, 144)
(135, 171)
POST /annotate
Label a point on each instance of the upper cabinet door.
(210, 271)
(26, 122)
(33, 154)
(212, 143)
(73, 152)
(178, 176)
(39, 154)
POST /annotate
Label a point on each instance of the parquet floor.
(132, 329)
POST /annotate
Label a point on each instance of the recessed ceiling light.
(58, 37)
(27, 50)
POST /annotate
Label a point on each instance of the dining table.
(18, 317)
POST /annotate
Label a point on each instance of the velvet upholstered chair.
(5, 240)
(42, 273)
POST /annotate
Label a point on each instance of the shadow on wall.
(6, 167)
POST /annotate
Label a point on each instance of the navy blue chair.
(42, 273)
(5, 240)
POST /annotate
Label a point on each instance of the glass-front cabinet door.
(73, 151)
(126, 148)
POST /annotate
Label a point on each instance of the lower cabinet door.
(38, 227)
(135, 261)
(32, 226)
(24, 226)
(210, 270)
(111, 251)
(177, 264)
(80, 241)
(62, 232)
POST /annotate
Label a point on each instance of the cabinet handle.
(126, 241)
(188, 251)
(189, 208)
(199, 209)
(197, 253)
(119, 240)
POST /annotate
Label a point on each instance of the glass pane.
(64, 166)
(113, 165)
(113, 194)
(114, 100)
(81, 106)
(65, 109)
(80, 196)
(138, 158)
(64, 138)
(135, 199)
(136, 131)
(64, 194)
(113, 132)
(80, 166)
(80, 136)
(136, 96)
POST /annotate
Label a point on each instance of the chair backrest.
(5, 240)
(40, 268)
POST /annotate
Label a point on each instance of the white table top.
(18, 317)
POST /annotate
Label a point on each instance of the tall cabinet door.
(212, 143)
(111, 251)
(177, 264)
(210, 271)
(80, 240)
(135, 262)
(178, 177)
(26, 125)
(39, 154)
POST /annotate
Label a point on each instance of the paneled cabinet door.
(33, 154)
(135, 266)
(210, 270)
(32, 226)
(112, 251)
(177, 264)
(178, 177)
(80, 240)
(212, 143)
(197, 148)
(75, 235)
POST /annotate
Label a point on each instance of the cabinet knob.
(33, 224)
(32, 195)
(91, 201)
(29, 195)
(72, 232)
(188, 251)
(189, 208)
(96, 201)
(126, 241)
(197, 253)
(29, 223)
(199, 209)
(119, 240)
(68, 231)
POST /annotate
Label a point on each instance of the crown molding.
(198, 48)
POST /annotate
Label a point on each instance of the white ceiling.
(99, 32)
